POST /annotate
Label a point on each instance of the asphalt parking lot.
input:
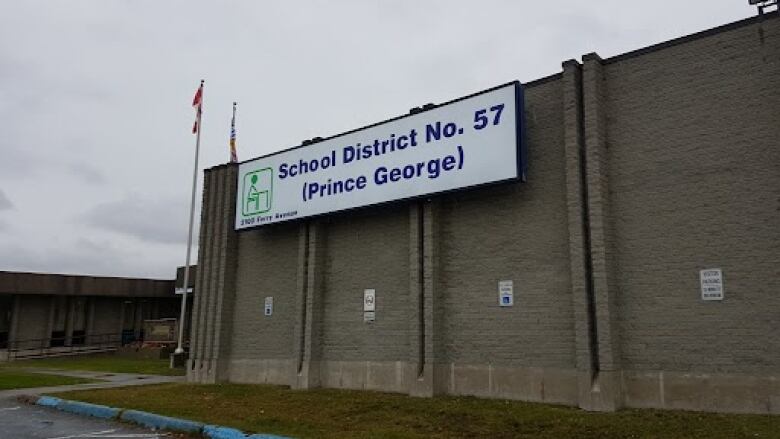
(22, 421)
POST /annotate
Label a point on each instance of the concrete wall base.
(268, 371)
(387, 376)
(728, 393)
(550, 385)
(535, 384)
(206, 371)
(420, 384)
(600, 393)
(308, 377)
(608, 391)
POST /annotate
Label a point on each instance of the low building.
(46, 314)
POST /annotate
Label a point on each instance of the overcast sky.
(96, 153)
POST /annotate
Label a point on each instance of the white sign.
(505, 293)
(369, 300)
(179, 290)
(711, 284)
(467, 142)
(269, 306)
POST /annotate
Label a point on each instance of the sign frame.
(712, 285)
(369, 299)
(506, 289)
(520, 145)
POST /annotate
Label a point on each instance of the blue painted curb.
(79, 408)
(94, 410)
(48, 401)
(159, 422)
(151, 420)
(217, 432)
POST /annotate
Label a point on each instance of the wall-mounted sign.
(369, 300)
(467, 142)
(711, 284)
(369, 316)
(180, 290)
(269, 306)
(506, 293)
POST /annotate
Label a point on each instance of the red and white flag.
(197, 103)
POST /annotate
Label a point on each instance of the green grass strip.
(325, 413)
(17, 379)
(101, 363)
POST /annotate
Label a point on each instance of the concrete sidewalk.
(110, 380)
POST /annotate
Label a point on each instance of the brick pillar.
(196, 367)
(311, 294)
(427, 373)
(215, 278)
(299, 331)
(416, 371)
(579, 241)
(434, 345)
(607, 389)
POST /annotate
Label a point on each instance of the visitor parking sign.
(711, 281)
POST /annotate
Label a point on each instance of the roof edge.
(692, 37)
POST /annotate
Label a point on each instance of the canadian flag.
(197, 103)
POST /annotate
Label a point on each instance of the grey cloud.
(86, 257)
(5, 203)
(87, 173)
(15, 162)
(148, 220)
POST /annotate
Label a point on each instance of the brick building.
(643, 170)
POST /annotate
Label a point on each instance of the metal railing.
(62, 345)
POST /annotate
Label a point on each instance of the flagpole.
(183, 317)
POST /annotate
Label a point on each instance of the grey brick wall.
(267, 267)
(526, 224)
(368, 249)
(694, 167)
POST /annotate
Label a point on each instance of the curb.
(150, 420)
(159, 422)
(86, 409)
(217, 432)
